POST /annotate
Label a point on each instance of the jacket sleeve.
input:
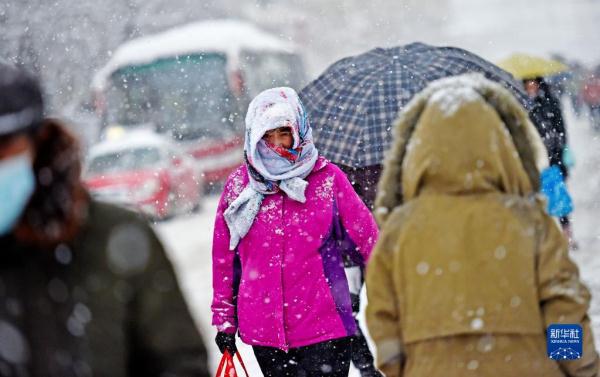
(355, 217)
(382, 314)
(563, 297)
(224, 273)
(165, 340)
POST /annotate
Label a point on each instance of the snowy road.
(585, 187)
(188, 241)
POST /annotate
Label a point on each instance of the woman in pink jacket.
(285, 221)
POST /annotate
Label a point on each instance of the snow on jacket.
(284, 285)
(469, 269)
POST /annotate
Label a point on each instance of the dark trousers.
(330, 358)
(362, 358)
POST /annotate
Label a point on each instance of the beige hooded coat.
(469, 270)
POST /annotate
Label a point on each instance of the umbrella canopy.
(354, 103)
(524, 66)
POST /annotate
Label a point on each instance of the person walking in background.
(470, 269)
(285, 222)
(547, 115)
(590, 92)
(85, 287)
(547, 110)
(364, 182)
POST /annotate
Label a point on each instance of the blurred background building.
(66, 41)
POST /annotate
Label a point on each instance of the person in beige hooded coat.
(469, 270)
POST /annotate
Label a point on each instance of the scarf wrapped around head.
(272, 168)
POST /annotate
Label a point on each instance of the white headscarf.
(269, 172)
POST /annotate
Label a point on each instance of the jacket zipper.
(281, 263)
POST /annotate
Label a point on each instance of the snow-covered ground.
(188, 240)
(584, 185)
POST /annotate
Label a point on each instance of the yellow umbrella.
(524, 66)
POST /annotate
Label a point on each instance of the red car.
(145, 171)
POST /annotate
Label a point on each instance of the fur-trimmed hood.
(461, 135)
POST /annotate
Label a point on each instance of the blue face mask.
(17, 183)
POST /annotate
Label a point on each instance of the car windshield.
(125, 160)
(186, 96)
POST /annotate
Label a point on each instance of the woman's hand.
(226, 342)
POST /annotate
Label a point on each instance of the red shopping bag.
(227, 366)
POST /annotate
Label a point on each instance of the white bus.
(194, 83)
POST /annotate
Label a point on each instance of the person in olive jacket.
(470, 270)
(85, 287)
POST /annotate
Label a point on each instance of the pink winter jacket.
(284, 286)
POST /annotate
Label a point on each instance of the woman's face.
(532, 88)
(281, 137)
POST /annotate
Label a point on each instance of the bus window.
(188, 96)
(265, 70)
